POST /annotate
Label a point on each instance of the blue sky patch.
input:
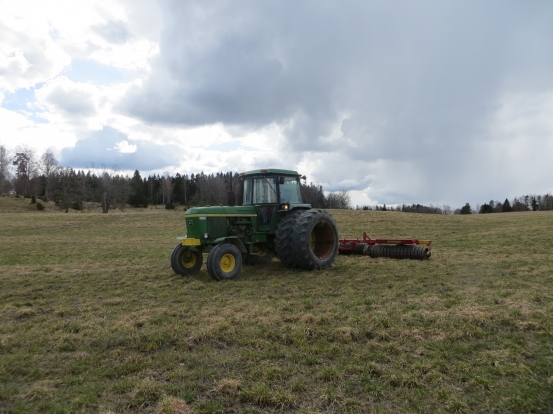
(22, 101)
(225, 146)
(18, 101)
(101, 148)
(87, 70)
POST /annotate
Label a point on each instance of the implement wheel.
(184, 261)
(315, 240)
(224, 261)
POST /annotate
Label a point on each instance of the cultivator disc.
(393, 248)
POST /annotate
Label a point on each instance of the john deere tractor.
(272, 220)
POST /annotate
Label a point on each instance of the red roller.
(394, 248)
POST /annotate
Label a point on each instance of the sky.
(432, 102)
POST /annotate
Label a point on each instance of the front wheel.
(185, 261)
(224, 262)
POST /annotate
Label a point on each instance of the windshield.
(260, 190)
(263, 190)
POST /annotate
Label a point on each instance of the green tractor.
(272, 221)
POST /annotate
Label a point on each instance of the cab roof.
(265, 171)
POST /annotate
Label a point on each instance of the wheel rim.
(228, 262)
(188, 259)
(322, 240)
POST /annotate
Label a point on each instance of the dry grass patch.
(228, 386)
(172, 405)
(94, 320)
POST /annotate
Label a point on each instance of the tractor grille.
(216, 227)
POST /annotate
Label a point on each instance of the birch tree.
(48, 165)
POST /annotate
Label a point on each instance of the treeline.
(413, 208)
(523, 203)
(27, 175)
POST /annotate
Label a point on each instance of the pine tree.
(506, 207)
(466, 209)
(139, 191)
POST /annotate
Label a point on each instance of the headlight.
(206, 236)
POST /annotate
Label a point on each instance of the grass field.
(92, 319)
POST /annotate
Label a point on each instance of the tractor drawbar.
(393, 248)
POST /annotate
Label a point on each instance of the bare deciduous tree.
(4, 169)
(167, 187)
(338, 199)
(48, 165)
(447, 210)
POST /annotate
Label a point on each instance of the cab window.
(289, 190)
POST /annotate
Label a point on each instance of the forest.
(27, 175)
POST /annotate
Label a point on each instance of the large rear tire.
(283, 238)
(315, 240)
(184, 261)
(224, 261)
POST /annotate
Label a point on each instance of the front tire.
(315, 240)
(184, 261)
(224, 262)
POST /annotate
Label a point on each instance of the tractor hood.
(227, 211)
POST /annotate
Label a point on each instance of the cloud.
(27, 55)
(427, 101)
(74, 99)
(403, 92)
(110, 147)
(113, 31)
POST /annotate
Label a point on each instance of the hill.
(92, 319)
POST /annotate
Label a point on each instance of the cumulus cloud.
(398, 97)
(74, 99)
(427, 101)
(113, 31)
(110, 147)
(27, 56)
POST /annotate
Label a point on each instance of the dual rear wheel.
(307, 239)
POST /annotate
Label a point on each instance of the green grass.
(92, 319)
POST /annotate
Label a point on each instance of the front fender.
(234, 240)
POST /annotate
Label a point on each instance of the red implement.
(395, 248)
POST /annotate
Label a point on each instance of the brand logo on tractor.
(189, 222)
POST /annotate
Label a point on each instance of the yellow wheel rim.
(228, 263)
(188, 260)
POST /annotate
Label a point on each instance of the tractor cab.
(270, 191)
